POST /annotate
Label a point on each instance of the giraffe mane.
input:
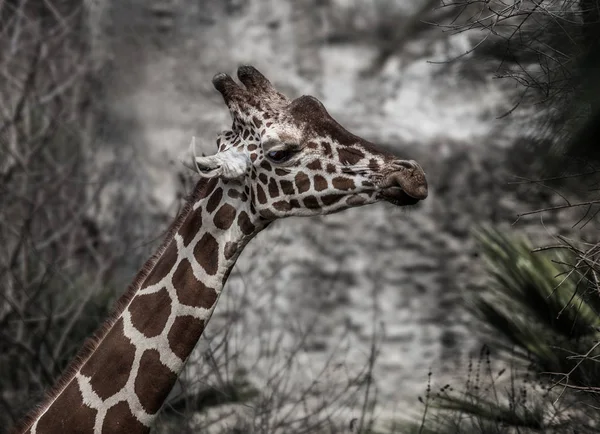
(92, 343)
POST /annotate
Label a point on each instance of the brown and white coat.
(280, 158)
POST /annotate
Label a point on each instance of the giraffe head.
(294, 159)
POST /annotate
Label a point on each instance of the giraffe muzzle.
(406, 185)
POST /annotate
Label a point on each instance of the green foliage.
(538, 307)
(540, 313)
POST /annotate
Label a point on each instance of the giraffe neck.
(134, 361)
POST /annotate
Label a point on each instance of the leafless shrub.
(583, 267)
(54, 264)
(537, 44)
(274, 380)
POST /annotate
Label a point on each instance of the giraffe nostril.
(408, 164)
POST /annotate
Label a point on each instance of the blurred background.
(343, 323)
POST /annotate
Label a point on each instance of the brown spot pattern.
(184, 335)
(281, 172)
(224, 217)
(190, 226)
(302, 182)
(342, 183)
(109, 370)
(245, 223)
(311, 202)
(230, 249)
(162, 267)
(191, 291)
(268, 214)
(265, 165)
(330, 199)
(233, 193)
(314, 165)
(263, 178)
(119, 419)
(331, 168)
(320, 183)
(208, 188)
(150, 312)
(287, 187)
(215, 200)
(294, 203)
(68, 413)
(350, 155)
(153, 382)
(282, 205)
(356, 200)
(260, 193)
(206, 253)
(273, 189)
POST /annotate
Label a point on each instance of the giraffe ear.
(207, 167)
(204, 166)
(229, 164)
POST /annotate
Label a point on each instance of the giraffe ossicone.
(280, 158)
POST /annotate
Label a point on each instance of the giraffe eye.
(279, 156)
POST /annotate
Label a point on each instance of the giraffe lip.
(410, 178)
(397, 196)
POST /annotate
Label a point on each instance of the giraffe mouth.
(406, 185)
(397, 196)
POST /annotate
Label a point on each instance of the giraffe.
(280, 158)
